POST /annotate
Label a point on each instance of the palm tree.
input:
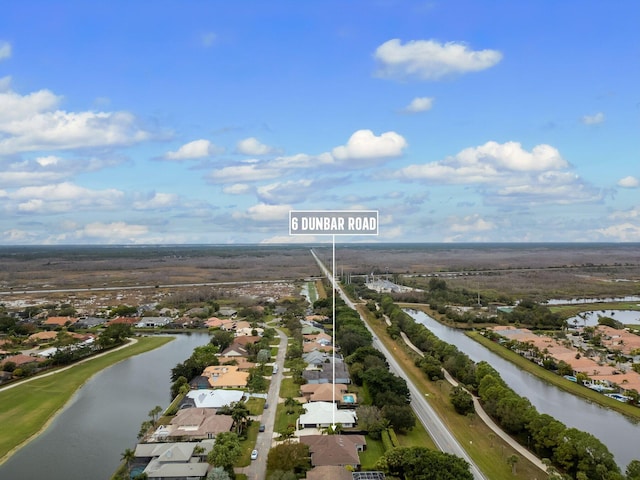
(240, 414)
(512, 460)
(128, 456)
(153, 413)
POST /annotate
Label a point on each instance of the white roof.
(322, 412)
(168, 470)
(166, 452)
(206, 398)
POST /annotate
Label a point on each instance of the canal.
(87, 438)
(617, 432)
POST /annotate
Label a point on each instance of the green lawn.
(26, 408)
(288, 388)
(372, 454)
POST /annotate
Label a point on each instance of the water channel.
(617, 432)
(86, 440)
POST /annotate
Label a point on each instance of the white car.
(254, 454)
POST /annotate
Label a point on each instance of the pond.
(590, 319)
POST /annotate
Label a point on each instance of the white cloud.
(47, 161)
(193, 150)
(252, 146)
(5, 83)
(5, 50)
(157, 201)
(364, 145)
(508, 173)
(624, 232)
(285, 192)
(28, 123)
(64, 197)
(471, 223)
(265, 213)
(237, 189)
(115, 232)
(593, 119)
(243, 173)
(487, 163)
(208, 39)
(431, 60)
(629, 182)
(419, 104)
(303, 160)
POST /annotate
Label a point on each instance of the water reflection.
(614, 430)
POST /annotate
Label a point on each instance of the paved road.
(485, 417)
(257, 469)
(425, 413)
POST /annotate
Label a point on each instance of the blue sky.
(208, 121)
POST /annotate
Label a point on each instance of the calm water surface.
(86, 440)
(617, 432)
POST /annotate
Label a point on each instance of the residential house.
(335, 450)
(324, 392)
(225, 376)
(174, 461)
(60, 321)
(323, 414)
(194, 424)
(214, 398)
(242, 363)
(323, 373)
(228, 312)
(153, 322)
(235, 350)
(333, 472)
(21, 360)
(126, 320)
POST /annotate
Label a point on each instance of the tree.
(461, 400)
(282, 475)
(240, 414)
(114, 334)
(420, 463)
(221, 339)
(400, 417)
(154, 412)
(512, 460)
(579, 451)
(177, 386)
(289, 457)
(633, 470)
(218, 473)
(225, 451)
(128, 456)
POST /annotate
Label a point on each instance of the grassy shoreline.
(27, 409)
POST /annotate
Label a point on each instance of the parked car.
(254, 454)
(261, 428)
(266, 405)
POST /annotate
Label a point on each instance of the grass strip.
(26, 409)
(554, 379)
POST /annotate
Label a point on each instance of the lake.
(87, 438)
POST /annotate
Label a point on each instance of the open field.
(542, 270)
